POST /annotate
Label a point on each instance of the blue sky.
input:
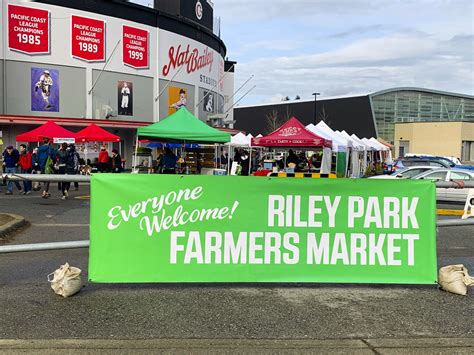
(343, 47)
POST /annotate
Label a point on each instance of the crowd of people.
(48, 160)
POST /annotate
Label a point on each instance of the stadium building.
(414, 120)
(115, 63)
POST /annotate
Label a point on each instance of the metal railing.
(46, 178)
(86, 178)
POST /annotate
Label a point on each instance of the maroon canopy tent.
(292, 134)
(48, 130)
(94, 133)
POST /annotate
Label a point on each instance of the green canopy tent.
(181, 127)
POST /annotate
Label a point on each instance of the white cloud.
(368, 65)
(343, 47)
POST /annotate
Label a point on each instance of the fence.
(86, 178)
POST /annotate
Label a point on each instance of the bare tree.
(325, 117)
(287, 115)
(272, 121)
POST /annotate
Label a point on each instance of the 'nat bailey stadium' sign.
(151, 228)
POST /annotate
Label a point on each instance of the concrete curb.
(11, 226)
(251, 346)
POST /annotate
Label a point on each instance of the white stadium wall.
(166, 53)
(175, 62)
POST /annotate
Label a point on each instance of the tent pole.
(136, 153)
(250, 161)
(228, 160)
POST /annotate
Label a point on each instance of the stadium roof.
(323, 98)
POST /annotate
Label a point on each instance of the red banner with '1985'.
(28, 29)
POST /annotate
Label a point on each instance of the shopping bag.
(66, 281)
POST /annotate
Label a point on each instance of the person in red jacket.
(25, 164)
(103, 160)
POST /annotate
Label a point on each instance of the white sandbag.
(455, 279)
(66, 281)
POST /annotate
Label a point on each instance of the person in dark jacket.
(116, 161)
(61, 157)
(169, 161)
(26, 166)
(45, 151)
(36, 169)
(292, 158)
(11, 158)
(71, 168)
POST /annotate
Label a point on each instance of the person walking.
(116, 161)
(61, 157)
(71, 168)
(26, 167)
(11, 158)
(36, 169)
(46, 159)
(103, 160)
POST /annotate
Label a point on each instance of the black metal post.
(315, 94)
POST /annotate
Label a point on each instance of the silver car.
(457, 195)
(405, 173)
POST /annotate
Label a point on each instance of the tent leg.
(250, 161)
(228, 160)
(136, 153)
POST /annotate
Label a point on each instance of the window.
(413, 172)
(459, 176)
(436, 176)
(467, 151)
(435, 163)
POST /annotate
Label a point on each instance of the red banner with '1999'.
(135, 47)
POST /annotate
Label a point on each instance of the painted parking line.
(444, 212)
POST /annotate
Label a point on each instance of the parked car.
(405, 173)
(453, 160)
(451, 194)
(405, 163)
(448, 162)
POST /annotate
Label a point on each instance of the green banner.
(170, 228)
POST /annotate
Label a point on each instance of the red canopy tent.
(94, 133)
(48, 130)
(292, 134)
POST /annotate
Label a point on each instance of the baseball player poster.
(208, 102)
(125, 98)
(44, 89)
(177, 98)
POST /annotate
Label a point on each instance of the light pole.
(315, 94)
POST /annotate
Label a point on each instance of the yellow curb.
(87, 197)
(442, 212)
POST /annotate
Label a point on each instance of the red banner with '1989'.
(88, 38)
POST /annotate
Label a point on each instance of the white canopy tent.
(340, 145)
(240, 140)
(358, 155)
(368, 152)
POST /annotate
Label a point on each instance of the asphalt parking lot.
(30, 309)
